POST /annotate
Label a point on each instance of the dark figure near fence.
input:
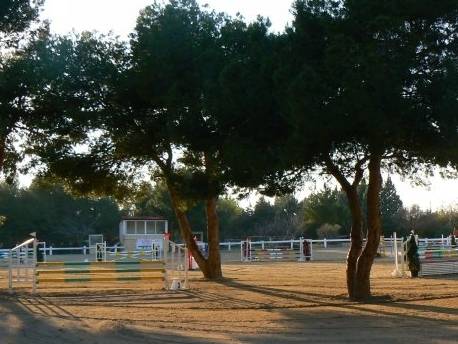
(453, 240)
(40, 255)
(307, 252)
(413, 260)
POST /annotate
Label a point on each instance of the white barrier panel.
(437, 257)
(22, 264)
(438, 260)
(176, 259)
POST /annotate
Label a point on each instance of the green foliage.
(16, 16)
(392, 209)
(327, 207)
(16, 78)
(59, 218)
(376, 66)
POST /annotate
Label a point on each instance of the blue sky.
(119, 16)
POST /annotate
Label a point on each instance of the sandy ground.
(256, 303)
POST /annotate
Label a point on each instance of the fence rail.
(50, 250)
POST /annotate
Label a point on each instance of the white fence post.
(34, 266)
(311, 249)
(292, 244)
(10, 271)
(325, 244)
(50, 250)
(396, 272)
(301, 248)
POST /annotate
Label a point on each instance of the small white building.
(141, 232)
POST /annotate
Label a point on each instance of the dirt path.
(273, 303)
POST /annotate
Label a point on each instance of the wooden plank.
(99, 279)
(97, 271)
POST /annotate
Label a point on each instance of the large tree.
(356, 86)
(16, 20)
(366, 84)
(153, 110)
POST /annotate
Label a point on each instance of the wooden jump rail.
(438, 261)
(23, 268)
(97, 272)
(302, 253)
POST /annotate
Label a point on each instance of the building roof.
(142, 218)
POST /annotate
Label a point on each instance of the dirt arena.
(256, 303)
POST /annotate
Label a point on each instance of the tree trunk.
(214, 257)
(186, 234)
(362, 288)
(356, 243)
(356, 239)
(2, 152)
(211, 267)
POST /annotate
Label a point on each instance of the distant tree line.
(63, 219)
(58, 217)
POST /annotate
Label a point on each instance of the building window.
(140, 227)
(150, 228)
(130, 227)
(160, 226)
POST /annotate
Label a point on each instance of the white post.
(325, 244)
(34, 267)
(166, 249)
(50, 250)
(311, 249)
(262, 244)
(84, 250)
(241, 251)
(10, 270)
(26, 264)
(229, 246)
(301, 248)
(186, 267)
(396, 272)
(292, 244)
(403, 261)
(18, 262)
(173, 255)
(44, 251)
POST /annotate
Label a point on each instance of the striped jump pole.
(83, 272)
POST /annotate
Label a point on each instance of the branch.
(334, 170)
(359, 171)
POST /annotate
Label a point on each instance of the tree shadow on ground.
(23, 324)
(272, 315)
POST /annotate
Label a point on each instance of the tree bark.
(356, 239)
(186, 233)
(211, 267)
(2, 152)
(214, 257)
(356, 236)
(362, 289)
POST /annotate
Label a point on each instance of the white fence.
(232, 247)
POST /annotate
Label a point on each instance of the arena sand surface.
(256, 303)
